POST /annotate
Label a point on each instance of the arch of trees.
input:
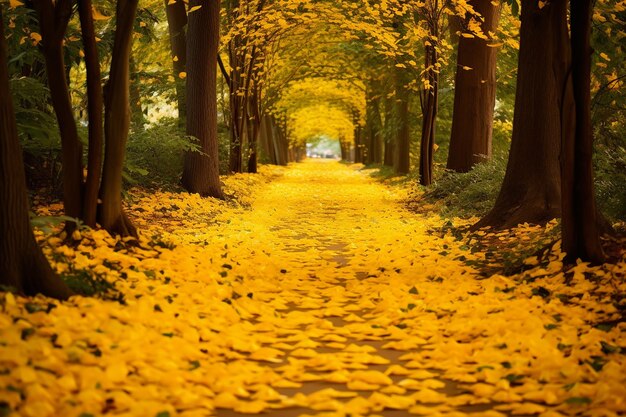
(373, 73)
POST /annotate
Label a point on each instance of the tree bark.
(116, 124)
(176, 22)
(201, 170)
(579, 226)
(474, 94)
(389, 136)
(53, 21)
(402, 150)
(430, 103)
(22, 264)
(94, 108)
(531, 190)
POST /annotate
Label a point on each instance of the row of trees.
(360, 71)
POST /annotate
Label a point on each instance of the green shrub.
(610, 181)
(468, 194)
(154, 156)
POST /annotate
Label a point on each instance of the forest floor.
(314, 294)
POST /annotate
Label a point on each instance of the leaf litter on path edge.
(324, 297)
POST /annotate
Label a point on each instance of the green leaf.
(578, 400)
(163, 414)
(413, 291)
(606, 348)
(86, 415)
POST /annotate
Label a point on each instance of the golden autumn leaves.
(323, 296)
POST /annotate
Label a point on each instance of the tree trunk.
(402, 150)
(474, 94)
(201, 170)
(430, 103)
(53, 20)
(117, 123)
(377, 138)
(176, 22)
(579, 225)
(22, 264)
(531, 191)
(389, 135)
(94, 108)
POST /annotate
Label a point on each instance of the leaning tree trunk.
(474, 94)
(117, 123)
(94, 109)
(531, 191)
(176, 22)
(53, 20)
(579, 225)
(22, 264)
(201, 170)
(430, 103)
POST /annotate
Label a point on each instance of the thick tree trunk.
(579, 212)
(430, 104)
(53, 20)
(176, 22)
(531, 191)
(116, 124)
(402, 149)
(474, 94)
(22, 264)
(94, 108)
(201, 170)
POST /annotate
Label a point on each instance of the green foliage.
(468, 194)
(610, 180)
(37, 125)
(155, 155)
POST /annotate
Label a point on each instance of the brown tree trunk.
(94, 108)
(22, 264)
(430, 104)
(531, 191)
(474, 94)
(116, 124)
(255, 127)
(53, 20)
(201, 170)
(389, 136)
(402, 150)
(579, 212)
(176, 22)
(377, 138)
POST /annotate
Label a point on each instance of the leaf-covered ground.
(322, 296)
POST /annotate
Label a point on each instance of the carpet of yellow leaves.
(323, 297)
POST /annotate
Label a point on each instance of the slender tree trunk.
(531, 191)
(53, 20)
(402, 150)
(255, 128)
(389, 135)
(430, 103)
(176, 21)
(579, 212)
(117, 123)
(94, 108)
(474, 94)
(377, 134)
(22, 264)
